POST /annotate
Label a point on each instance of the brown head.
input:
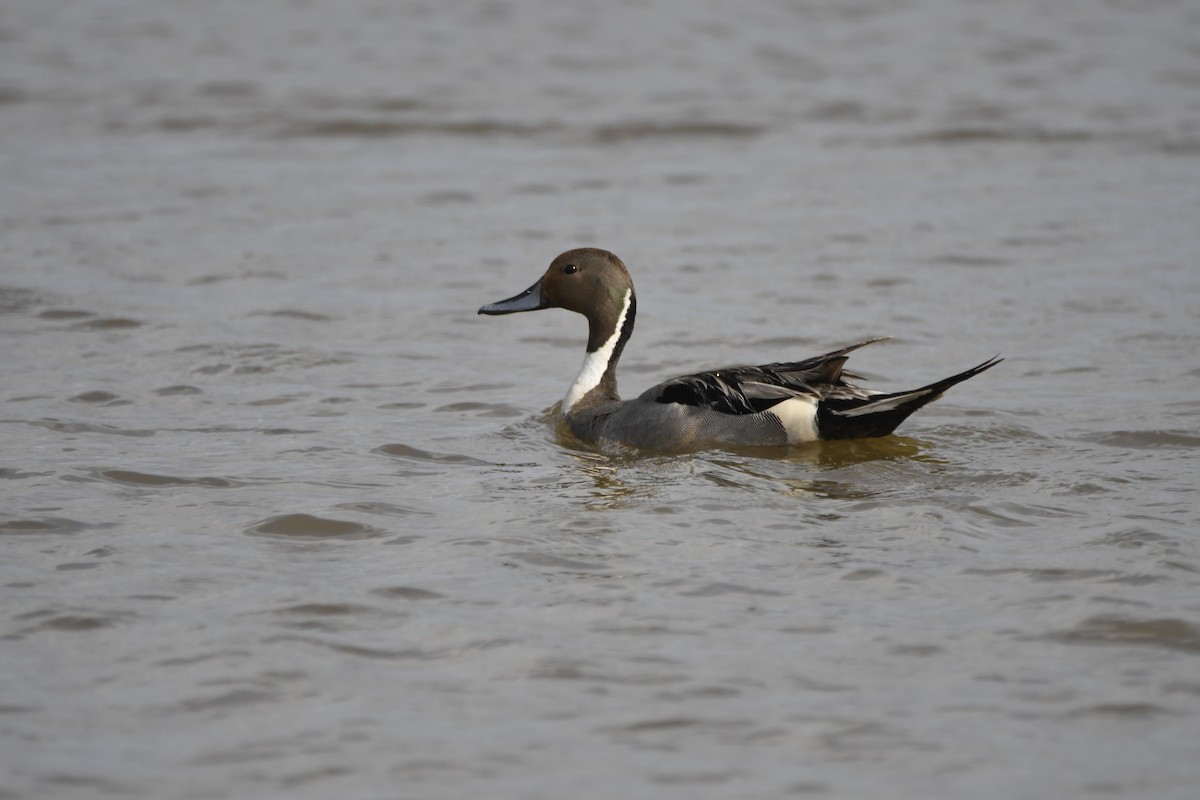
(588, 281)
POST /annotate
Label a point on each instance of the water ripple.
(307, 526)
(134, 478)
(1166, 632)
(1149, 439)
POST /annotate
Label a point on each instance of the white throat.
(596, 364)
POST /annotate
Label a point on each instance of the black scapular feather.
(751, 390)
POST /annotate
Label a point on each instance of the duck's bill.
(529, 300)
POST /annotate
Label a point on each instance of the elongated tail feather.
(879, 415)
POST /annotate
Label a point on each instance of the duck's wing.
(751, 390)
(739, 390)
(824, 371)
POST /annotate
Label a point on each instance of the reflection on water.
(622, 480)
(849, 452)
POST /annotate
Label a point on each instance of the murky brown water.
(281, 516)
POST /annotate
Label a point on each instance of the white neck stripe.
(596, 364)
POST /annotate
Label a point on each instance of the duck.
(778, 405)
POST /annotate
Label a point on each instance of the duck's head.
(588, 281)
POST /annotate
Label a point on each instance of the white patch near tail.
(878, 406)
(799, 418)
(596, 364)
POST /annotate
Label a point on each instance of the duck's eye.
(570, 269)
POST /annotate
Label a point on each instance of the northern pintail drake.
(774, 404)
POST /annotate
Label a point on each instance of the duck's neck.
(597, 379)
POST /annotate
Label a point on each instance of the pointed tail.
(880, 414)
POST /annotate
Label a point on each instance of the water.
(282, 517)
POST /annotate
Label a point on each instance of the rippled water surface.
(281, 516)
